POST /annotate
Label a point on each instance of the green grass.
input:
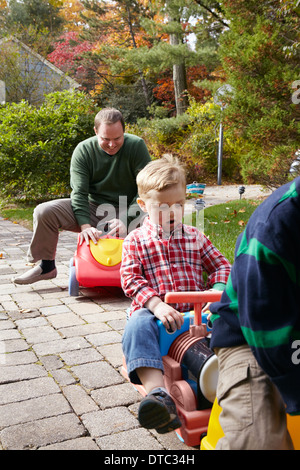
(19, 213)
(224, 222)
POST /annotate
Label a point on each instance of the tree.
(256, 59)
(164, 90)
(140, 40)
(68, 56)
(34, 22)
(41, 13)
(115, 26)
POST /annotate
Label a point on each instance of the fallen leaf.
(25, 310)
(226, 221)
(242, 210)
(241, 222)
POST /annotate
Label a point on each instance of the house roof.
(71, 81)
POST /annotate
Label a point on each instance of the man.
(103, 181)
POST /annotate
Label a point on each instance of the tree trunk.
(143, 81)
(179, 81)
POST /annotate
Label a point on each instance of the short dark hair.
(110, 116)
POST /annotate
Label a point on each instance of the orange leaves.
(234, 215)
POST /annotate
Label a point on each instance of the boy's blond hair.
(160, 174)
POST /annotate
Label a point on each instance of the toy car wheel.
(73, 283)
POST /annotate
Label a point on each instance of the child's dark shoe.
(158, 411)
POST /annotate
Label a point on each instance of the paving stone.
(119, 395)
(27, 297)
(24, 314)
(42, 432)
(97, 374)
(52, 362)
(8, 346)
(104, 316)
(27, 389)
(65, 319)
(59, 346)
(81, 443)
(117, 324)
(20, 372)
(30, 410)
(63, 377)
(84, 308)
(113, 353)
(84, 329)
(54, 309)
(110, 421)
(40, 334)
(9, 334)
(81, 356)
(104, 338)
(31, 322)
(132, 439)
(4, 297)
(24, 357)
(80, 401)
(117, 305)
(7, 325)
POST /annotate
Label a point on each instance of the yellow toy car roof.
(108, 251)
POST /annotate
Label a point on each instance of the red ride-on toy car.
(190, 366)
(96, 265)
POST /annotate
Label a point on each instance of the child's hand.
(206, 307)
(171, 318)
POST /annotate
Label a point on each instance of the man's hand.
(171, 318)
(89, 233)
(117, 228)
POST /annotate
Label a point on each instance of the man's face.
(110, 137)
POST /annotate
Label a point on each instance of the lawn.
(18, 213)
(222, 223)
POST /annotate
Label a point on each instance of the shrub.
(193, 137)
(36, 144)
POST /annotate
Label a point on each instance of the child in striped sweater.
(256, 328)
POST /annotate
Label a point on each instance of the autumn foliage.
(68, 54)
(164, 91)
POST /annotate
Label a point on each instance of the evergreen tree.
(256, 56)
(34, 22)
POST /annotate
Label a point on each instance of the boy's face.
(166, 207)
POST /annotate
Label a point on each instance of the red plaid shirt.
(154, 265)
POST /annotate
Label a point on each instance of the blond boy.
(161, 256)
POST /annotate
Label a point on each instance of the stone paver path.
(61, 385)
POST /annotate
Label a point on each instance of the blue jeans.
(140, 343)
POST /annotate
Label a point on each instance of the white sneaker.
(34, 275)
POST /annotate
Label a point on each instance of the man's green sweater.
(101, 178)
